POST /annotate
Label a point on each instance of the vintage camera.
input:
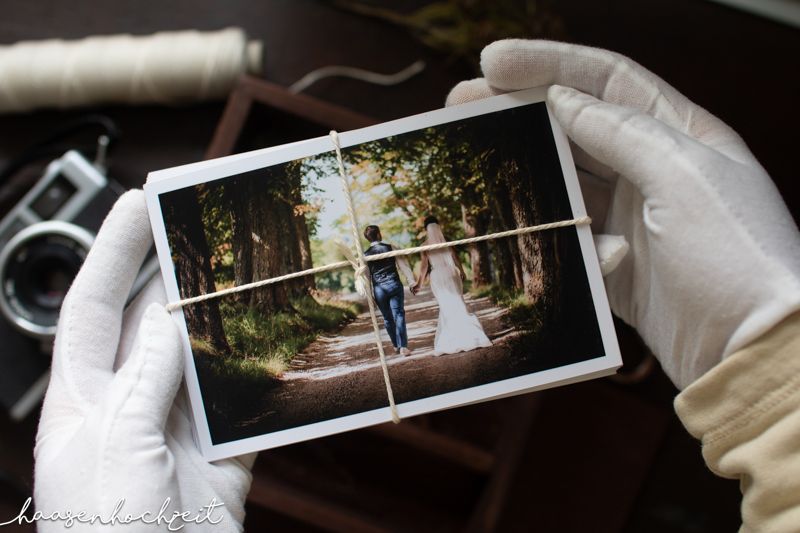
(43, 242)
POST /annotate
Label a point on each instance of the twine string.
(172, 306)
(361, 269)
(358, 263)
(580, 221)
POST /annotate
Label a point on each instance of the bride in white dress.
(457, 330)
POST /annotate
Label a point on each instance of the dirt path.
(340, 374)
(353, 349)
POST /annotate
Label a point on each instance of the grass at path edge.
(264, 344)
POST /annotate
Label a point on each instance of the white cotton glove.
(715, 259)
(111, 427)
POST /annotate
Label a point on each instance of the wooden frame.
(250, 90)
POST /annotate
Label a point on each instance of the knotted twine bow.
(359, 264)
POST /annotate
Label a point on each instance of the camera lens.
(36, 270)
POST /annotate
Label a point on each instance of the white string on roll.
(164, 68)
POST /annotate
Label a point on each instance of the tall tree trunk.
(530, 254)
(301, 243)
(533, 248)
(539, 172)
(259, 237)
(305, 249)
(476, 222)
(509, 261)
(301, 248)
(241, 243)
(503, 263)
(558, 245)
(193, 267)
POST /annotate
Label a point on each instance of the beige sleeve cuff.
(746, 412)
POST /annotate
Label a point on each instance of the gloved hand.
(111, 427)
(715, 259)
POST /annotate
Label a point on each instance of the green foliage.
(262, 348)
(291, 182)
(274, 338)
(244, 369)
(310, 171)
(218, 230)
(264, 344)
(419, 172)
(324, 252)
(341, 281)
(451, 171)
(521, 312)
(327, 316)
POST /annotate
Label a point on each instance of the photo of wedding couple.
(457, 330)
(303, 350)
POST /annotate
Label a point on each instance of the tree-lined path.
(260, 363)
(353, 349)
(340, 374)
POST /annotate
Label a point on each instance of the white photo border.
(189, 175)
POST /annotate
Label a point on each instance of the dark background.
(602, 456)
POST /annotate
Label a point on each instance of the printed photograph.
(302, 351)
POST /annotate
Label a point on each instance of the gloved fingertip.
(513, 64)
(560, 95)
(130, 209)
(133, 197)
(468, 91)
(501, 48)
(557, 92)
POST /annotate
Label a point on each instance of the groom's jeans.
(389, 296)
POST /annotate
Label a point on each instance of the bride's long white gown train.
(457, 330)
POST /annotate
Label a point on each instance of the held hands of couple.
(114, 424)
(715, 253)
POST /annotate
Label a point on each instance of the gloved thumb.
(153, 372)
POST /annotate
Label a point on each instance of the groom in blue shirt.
(388, 289)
